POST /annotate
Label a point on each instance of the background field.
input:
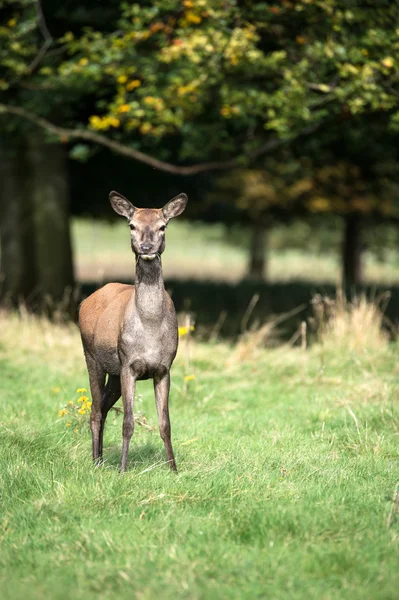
(217, 252)
(288, 462)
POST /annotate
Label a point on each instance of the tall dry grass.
(356, 325)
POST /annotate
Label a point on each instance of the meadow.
(215, 252)
(288, 472)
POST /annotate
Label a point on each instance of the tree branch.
(48, 39)
(81, 134)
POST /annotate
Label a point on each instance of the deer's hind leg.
(112, 393)
(97, 383)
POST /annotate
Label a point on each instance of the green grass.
(199, 251)
(287, 466)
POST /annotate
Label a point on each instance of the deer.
(129, 332)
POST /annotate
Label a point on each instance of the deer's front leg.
(161, 387)
(128, 385)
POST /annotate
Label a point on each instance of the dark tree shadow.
(208, 300)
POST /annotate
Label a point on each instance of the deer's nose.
(145, 247)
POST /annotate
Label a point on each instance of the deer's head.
(147, 225)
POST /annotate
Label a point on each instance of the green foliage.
(222, 76)
(287, 473)
(209, 80)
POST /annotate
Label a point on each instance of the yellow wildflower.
(122, 79)
(185, 330)
(83, 399)
(83, 62)
(149, 99)
(12, 22)
(68, 424)
(63, 412)
(70, 403)
(83, 390)
(133, 85)
(82, 411)
(189, 378)
(123, 108)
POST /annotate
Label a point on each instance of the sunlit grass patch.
(286, 487)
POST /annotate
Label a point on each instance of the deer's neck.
(150, 291)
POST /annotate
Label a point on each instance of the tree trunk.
(50, 203)
(352, 251)
(258, 248)
(17, 266)
(36, 257)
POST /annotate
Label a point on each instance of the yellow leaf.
(122, 79)
(83, 62)
(193, 18)
(319, 204)
(145, 128)
(388, 62)
(324, 88)
(135, 83)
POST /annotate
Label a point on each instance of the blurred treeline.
(262, 112)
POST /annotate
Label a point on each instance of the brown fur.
(130, 332)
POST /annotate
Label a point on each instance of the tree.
(214, 81)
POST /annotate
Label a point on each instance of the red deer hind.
(129, 332)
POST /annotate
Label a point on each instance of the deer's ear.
(175, 207)
(121, 205)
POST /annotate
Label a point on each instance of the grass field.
(208, 252)
(288, 462)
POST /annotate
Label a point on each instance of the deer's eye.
(162, 228)
(132, 227)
